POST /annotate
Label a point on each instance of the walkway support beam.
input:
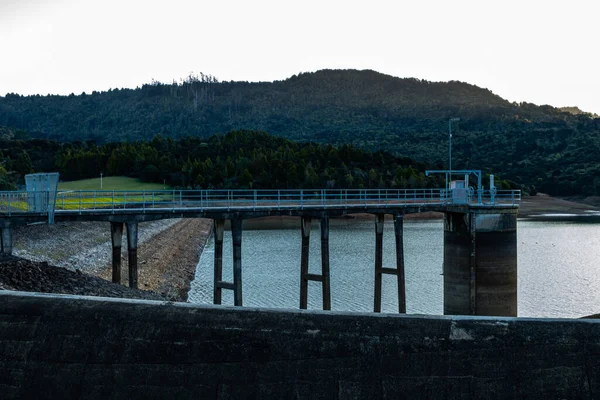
(7, 241)
(379, 221)
(132, 244)
(399, 231)
(218, 229)
(305, 223)
(116, 235)
(325, 263)
(236, 235)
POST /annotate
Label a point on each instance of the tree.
(22, 164)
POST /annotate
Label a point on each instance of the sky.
(542, 52)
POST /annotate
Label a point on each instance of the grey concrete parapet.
(54, 346)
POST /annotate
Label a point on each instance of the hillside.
(238, 159)
(535, 145)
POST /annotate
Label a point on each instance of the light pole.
(101, 180)
(450, 150)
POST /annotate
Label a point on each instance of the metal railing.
(82, 201)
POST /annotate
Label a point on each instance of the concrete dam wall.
(80, 347)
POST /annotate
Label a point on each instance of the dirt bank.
(167, 261)
(544, 204)
(168, 252)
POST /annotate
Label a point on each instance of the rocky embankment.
(33, 276)
(75, 258)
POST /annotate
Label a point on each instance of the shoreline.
(167, 261)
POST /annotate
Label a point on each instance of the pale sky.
(543, 52)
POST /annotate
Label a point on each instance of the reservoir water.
(559, 269)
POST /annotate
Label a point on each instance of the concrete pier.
(379, 221)
(399, 233)
(305, 276)
(132, 244)
(218, 229)
(480, 263)
(305, 224)
(236, 235)
(116, 235)
(325, 263)
(7, 244)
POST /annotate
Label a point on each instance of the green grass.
(111, 183)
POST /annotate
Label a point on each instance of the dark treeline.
(239, 159)
(542, 147)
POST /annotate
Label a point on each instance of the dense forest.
(238, 159)
(539, 146)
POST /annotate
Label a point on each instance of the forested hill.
(238, 159)
(360, 107)
(531, 144)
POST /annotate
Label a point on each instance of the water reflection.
(558, 270)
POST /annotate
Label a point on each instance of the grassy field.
(110, 183)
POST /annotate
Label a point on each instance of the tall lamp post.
(450, 151)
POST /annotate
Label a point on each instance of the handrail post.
(180, 199)
(301, 199)
(9, 212)
(278, 199)
(255, 199)
(80, 202)
(113, 202)
(144, 201)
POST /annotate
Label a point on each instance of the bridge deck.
(149, 205)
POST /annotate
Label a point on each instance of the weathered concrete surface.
(75, 347)
(480, 263)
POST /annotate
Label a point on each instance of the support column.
(236, 234)
(473, 264)
(132, 244)
(325, 263)
(7, 239)
(379, 220)
(218, 228)
(116, 234)
(305, 228)
(399, 230)
(480, 263)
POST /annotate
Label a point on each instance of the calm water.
(559, 273)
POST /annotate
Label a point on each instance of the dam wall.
(59, 346)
